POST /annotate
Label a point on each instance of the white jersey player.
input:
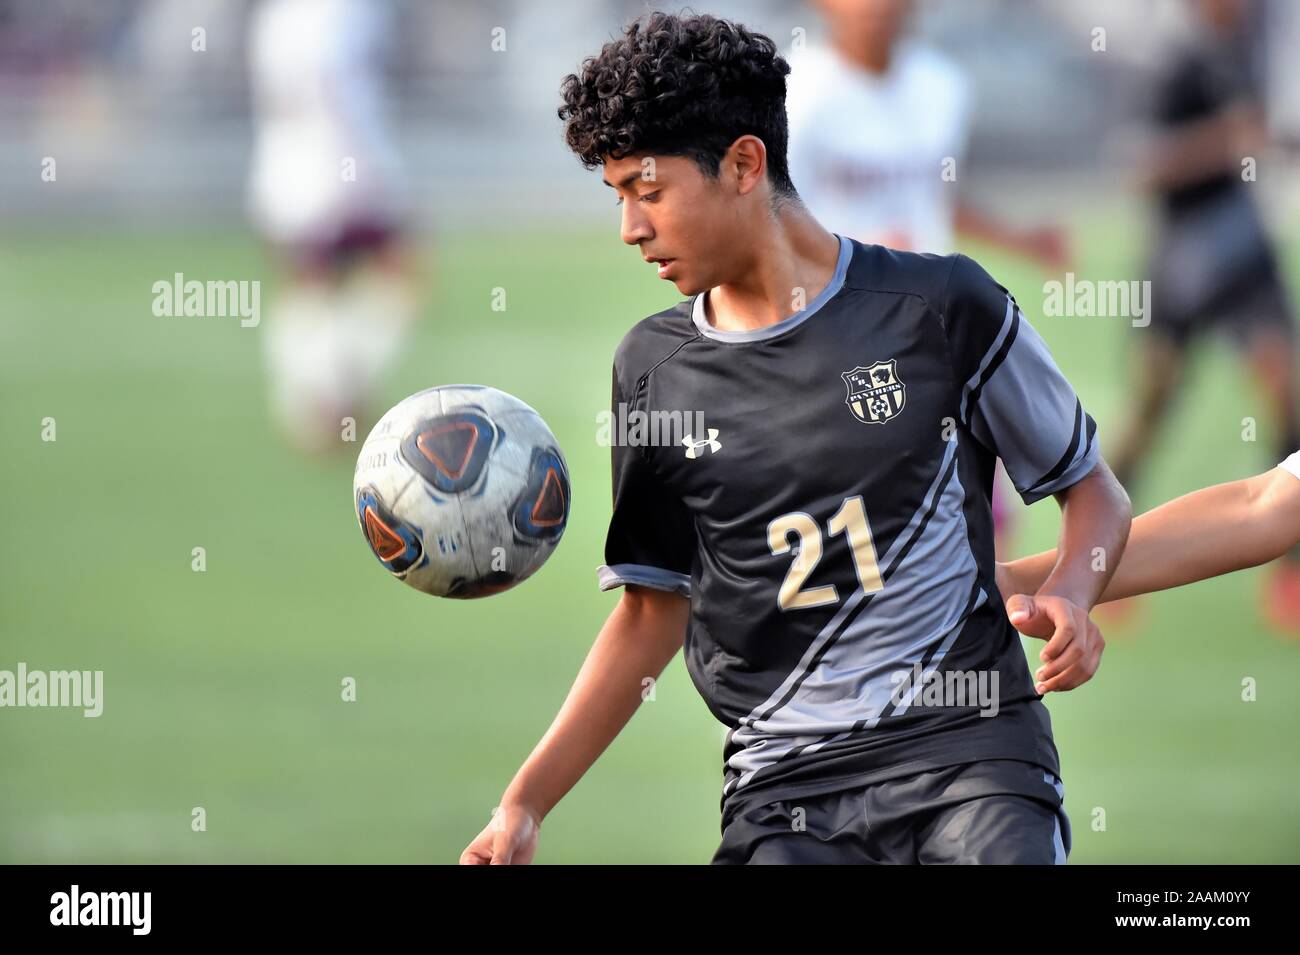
(326, 191)
(878, 127)
(868, 151)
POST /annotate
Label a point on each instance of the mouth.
(663, 265)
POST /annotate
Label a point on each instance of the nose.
(635, 227)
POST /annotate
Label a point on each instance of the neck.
(793, 259)
(872, 57)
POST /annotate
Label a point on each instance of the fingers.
(1072, 656)
(509, 839)
(1020, 607)
(1069, 623)
(503, 848)
(1073, 668)
(475, 856)
(495, 845)
(1027, 615)
(1074, 644)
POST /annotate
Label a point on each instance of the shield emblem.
(875, 393)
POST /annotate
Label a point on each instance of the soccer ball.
(461, 491)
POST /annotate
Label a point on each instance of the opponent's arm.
(1200, 535)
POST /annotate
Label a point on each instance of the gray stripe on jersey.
(1057, 839)
(656, 578)
(973, 383)
(980, 599)
(920, 611)
(942, 651)
(1031, 415)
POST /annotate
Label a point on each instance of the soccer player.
(1213, 266)
(1204, 534)
(325, 191)
(823, 551)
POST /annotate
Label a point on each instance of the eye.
(650, 196)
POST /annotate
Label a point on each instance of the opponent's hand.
(1074, 644)
(1005, 578)
(509, 839)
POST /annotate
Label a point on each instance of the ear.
(746, 163)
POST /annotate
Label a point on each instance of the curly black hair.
(680, 86)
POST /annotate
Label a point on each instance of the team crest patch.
(875, 393)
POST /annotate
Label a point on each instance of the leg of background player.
(1270, 352)
(1161, 361)
(335, 330)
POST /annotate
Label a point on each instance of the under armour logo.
(693, 447)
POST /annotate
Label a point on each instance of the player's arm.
(641, 636)
(1095, 519)
(1044, 244)
(1200, 535)
(1016, 403)
(1195, 150)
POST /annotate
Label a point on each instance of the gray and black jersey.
(827, 512)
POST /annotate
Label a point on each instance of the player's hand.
(1074, 644)
(509, 839)
(1049, 246)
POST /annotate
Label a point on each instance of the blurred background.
(140, 141)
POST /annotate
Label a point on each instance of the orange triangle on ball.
(382, 537)
(548, 509)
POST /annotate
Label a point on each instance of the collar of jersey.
(783, 326)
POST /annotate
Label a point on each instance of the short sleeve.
(1292, 464)
(651, 539)
(1013, 398)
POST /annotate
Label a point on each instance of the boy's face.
(672, 211)
(868, 25)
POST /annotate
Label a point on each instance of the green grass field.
(222, 688)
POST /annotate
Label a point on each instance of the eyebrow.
(626, 181)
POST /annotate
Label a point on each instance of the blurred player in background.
(876, 119)
(326, 191)
(1213, 266)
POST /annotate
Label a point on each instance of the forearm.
(1095, 520)
(1203, 148)
(1199, 535)
(973, 223)
(637, 642)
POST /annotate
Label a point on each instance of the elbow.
(1265, 521)
(1120, 504)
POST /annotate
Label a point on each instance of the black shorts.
(1214, 268)
(1259, 302)
(340, 249)
(998, 811)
